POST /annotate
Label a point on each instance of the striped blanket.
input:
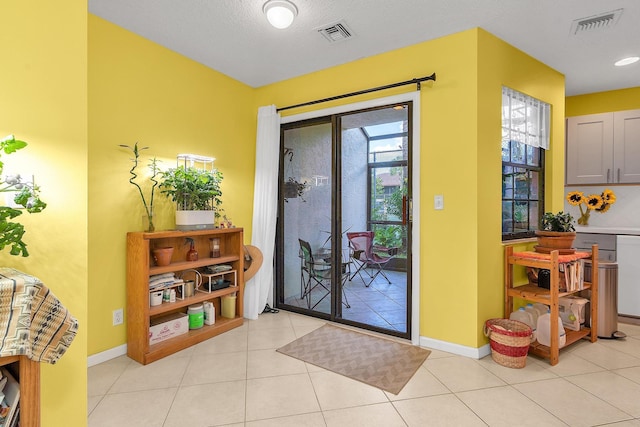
(33, 322)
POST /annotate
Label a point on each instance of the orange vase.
(162, 256)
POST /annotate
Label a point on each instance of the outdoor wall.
(43, 87)
(461, 252)
(140, 91)
(354, 179)
(309, 217)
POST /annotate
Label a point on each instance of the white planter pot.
(195, 220)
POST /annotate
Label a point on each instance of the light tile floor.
(381, 304)
(237, 379)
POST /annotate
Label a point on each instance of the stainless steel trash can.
(607, 298)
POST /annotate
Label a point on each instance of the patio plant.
(294, 189)
(27, 196)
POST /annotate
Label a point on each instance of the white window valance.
(525, 119)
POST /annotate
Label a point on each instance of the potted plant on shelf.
(27, 196)
(557, 232)
(196, 193)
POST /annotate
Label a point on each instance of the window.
(525, 136)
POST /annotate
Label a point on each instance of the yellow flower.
(594, 201)
(609, 197)
(575, 198)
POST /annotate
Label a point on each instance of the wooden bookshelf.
(140, 267)
(550, 296)
(27, 373)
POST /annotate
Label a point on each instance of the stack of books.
(10, 404)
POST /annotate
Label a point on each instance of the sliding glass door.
(344, 223)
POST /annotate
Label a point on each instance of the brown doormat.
(379, 362)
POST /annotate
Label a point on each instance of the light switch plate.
(438, 202)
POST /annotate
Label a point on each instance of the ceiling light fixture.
(626, 61)
(280, 13)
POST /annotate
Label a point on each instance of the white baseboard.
(112, 353)
(461, 350)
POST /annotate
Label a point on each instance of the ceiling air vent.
(336, 32)
(599, 22)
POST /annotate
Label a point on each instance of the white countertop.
(634, 231)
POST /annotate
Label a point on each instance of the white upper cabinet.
(603, 148)
(626, 153)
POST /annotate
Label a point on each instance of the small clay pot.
(162, 256)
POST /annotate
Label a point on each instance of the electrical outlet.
(118, 317)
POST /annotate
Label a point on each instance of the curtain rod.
(416, 81)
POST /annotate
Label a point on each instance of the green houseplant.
(557, 232)
(27, 196)
(559, 222)
(196, 193)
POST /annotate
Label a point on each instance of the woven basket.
(509, 341)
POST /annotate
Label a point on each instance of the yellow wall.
(501, 64)
(43, 87)
(444, 106)
(603, 102)
(140, 91)
(461, 252)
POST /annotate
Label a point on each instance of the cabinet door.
(626, 160)
(590, 149)
(628, 253)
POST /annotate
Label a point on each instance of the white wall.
(624, 213)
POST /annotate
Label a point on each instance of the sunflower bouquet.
(593, 202)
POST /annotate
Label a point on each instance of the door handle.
(404, 210)
(608, 171)
(618, 174)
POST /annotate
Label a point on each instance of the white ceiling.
(233, 36)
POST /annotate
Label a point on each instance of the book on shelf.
(571, 276)
(15, 422)
(11, 399)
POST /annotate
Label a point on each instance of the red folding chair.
(367, 255)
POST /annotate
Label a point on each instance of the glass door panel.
(375, 147)
(306, 217)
